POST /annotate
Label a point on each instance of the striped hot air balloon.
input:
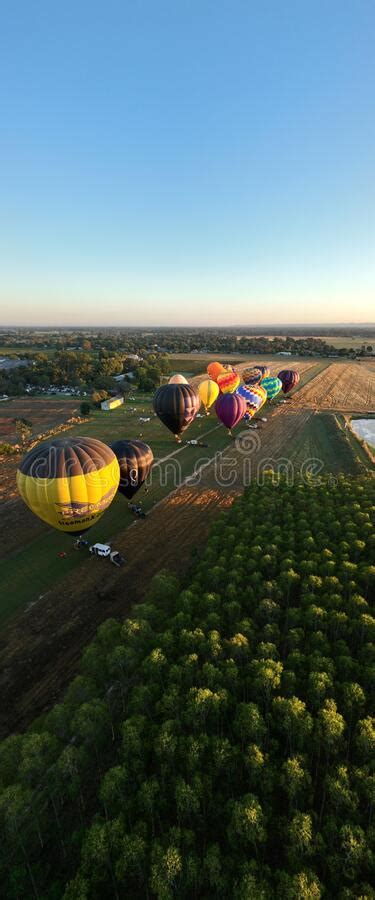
(69, 482)
(265, 371)
(289, 378)
(272, 386)
(228, 382)
(251, 376)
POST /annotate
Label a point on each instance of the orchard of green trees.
(220, 742)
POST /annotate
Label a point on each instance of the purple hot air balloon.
(289, 378)
(230, 409)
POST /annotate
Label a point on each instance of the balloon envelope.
(178, 379)
(228, 382)
(208, 391)
(253, 396)
(289, 378)
(230, 409)
(251, 376)
(176, 405)
(264, 370)
(69, 482)
(258, 397)
(214, 369)
(272, 386)
(135, 459)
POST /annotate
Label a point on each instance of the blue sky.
(174, 162)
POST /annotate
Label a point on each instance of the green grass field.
(35, 567)
(324, 439)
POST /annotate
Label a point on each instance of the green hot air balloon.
(272, 386)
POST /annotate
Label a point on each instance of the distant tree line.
(184, 340)
(220, 742)
(85, 370)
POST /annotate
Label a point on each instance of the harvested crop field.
(345, 387)
(43, 414)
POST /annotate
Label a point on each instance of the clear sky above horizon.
(192, 163)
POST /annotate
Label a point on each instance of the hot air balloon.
(135, 459)
(289, 378)
(214, 369)
(230, 409)
(228, 382)
(272, 386)
(257, 397)
(178, 379)
(69, 482)
(264, 370)
(208, 391)
(254, 396)
(251, 376)
(176, 405)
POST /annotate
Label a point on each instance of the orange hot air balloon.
(214, 369)
(228, 382)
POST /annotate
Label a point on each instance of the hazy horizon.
(154, 325)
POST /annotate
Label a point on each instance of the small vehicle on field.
(117, 559)
(137, 510)
(105, 552)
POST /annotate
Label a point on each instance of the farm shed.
(112, 402)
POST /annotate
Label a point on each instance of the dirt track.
(40, 649)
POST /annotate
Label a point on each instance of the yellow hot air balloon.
(208, 391)
(69, 482)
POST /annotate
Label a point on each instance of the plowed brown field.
(42, 413)
(346, 387)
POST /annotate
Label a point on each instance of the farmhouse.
(112, 402)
